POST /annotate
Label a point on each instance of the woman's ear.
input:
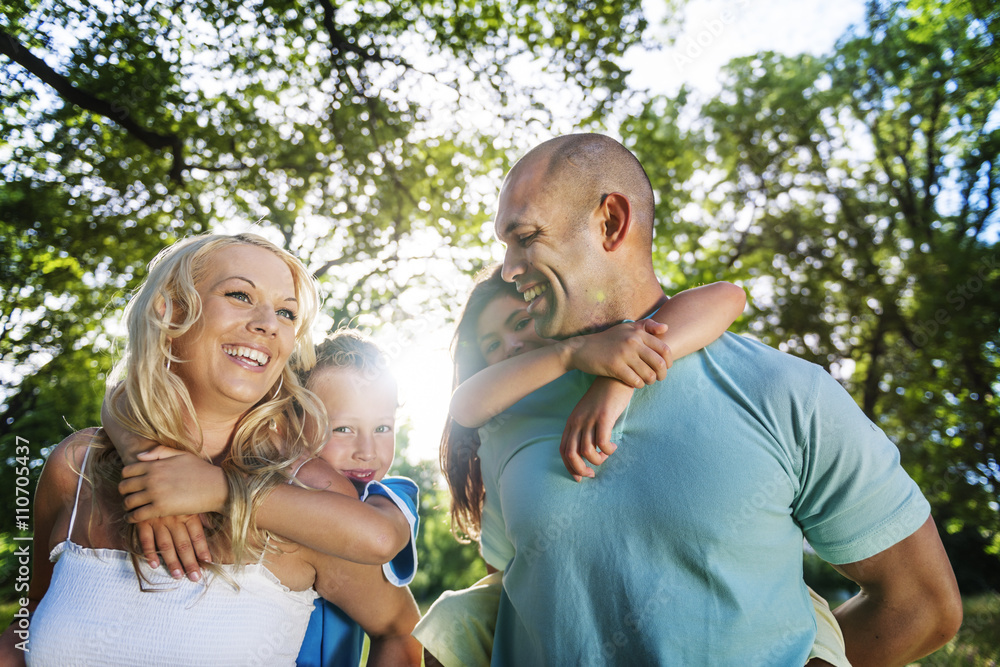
(161, 312)
(160, 305)
(616, 214)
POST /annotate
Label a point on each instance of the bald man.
(686, 548)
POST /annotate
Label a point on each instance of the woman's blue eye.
(287, 314)
(242, 296)
(341, 429)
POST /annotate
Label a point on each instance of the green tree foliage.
(856, 195)
(346, 128)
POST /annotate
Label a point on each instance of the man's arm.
(909, 604)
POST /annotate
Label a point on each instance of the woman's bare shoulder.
(65, 461)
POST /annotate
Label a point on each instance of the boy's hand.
(169, 482)
(166, 474)
(588, 430)
(180, 540)
(630, 352)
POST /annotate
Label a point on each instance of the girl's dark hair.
(460, 445)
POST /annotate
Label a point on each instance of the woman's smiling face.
(241, 343)
(504, 329)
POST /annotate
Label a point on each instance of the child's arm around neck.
(636, 354)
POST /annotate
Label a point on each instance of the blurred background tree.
(854, 194)
(354, 132)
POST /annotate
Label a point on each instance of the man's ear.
(616, 214)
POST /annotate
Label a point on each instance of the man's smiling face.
(553, 251)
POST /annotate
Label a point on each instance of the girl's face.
(238, 348)
(362, 412)
(505, 330)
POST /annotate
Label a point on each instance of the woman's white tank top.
(95, 613)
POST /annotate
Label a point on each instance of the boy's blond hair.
(350, 349)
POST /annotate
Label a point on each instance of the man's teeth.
(530, 294)
(253, 355)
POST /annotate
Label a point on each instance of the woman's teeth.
(249, 353)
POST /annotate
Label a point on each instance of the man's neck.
(655, 308)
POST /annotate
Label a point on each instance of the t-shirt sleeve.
(404, 494)
(855, 500)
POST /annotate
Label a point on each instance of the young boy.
(351, 379)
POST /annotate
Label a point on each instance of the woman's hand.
(164, 493)
(588, 430)
(631, 352)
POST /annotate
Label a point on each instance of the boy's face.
(362, 413)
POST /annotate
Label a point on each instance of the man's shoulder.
(741, 353)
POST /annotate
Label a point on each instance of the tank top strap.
(76, 500)
(298, 468)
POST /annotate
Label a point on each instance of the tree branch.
(11, 47)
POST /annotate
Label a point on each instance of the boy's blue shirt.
(333, 639)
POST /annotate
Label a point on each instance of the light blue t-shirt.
(686, 549)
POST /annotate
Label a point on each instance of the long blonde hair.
(151, 401)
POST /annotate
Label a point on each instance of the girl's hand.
(588, 430)
(630, 352)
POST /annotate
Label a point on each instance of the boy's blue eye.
(522, 323)
(342, 429)
(384, 428)
(492, 346)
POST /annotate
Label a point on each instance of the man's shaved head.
(584, 168)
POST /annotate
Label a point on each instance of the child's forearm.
(494, 389)
(700, 315)
(334, 521)
(127, 444)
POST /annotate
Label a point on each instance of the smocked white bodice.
(95, 613)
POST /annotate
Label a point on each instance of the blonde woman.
(207, 370)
